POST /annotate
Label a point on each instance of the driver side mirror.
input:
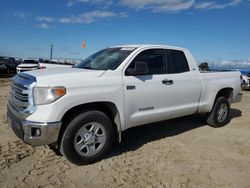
(140, 68)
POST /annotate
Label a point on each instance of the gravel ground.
(183, 152)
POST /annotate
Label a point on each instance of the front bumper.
(19, 69)
(33, 133)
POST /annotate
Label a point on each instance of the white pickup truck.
(81, 110)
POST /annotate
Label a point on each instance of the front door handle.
(167, 82)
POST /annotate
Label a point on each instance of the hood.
(64, 76)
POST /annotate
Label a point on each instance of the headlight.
(47, 95)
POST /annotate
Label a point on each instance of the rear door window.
(177, 62)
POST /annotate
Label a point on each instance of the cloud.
(73, 2)
(45, 19)
(159, 5)
(215, 5)
(44, 26)
(90, 17)
(87, 17)
(84, 18)
(234, 64)
(22, 15)
(177, 5)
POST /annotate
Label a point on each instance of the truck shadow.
(134, 138)
(234, 113)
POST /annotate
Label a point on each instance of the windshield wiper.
(90, 68)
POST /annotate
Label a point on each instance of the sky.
(214, 31)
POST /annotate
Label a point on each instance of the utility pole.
(51, 51)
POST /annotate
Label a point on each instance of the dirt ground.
(183, 152)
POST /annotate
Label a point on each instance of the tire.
(219, 116)
(88, 138)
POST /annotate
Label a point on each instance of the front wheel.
(87, 138)
(219, 116)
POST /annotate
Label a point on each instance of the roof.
(148, 45)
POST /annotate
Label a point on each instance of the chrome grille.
(21, 92)
(19, 95)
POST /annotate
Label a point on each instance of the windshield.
(30, 62)
(109, 58)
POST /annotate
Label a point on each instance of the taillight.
(241, 77)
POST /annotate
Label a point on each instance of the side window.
(155, 60)
(177, 62)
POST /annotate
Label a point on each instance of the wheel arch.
(225, 92)
(108, 108)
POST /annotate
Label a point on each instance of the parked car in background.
(245, 79)
(18, 60)
(30, 64)
(8, 64)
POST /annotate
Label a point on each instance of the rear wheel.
(87, 138)
(219, 116)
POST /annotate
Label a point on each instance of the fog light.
(35, 132)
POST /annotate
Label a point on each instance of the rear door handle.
(167, 82)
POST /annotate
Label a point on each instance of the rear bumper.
(34, 133)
